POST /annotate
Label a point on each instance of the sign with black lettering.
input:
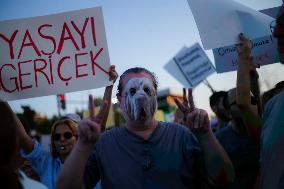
(264, 50)
(192, 65)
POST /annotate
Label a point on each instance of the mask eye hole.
(147, 90)
(132, 91)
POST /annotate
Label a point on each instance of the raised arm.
(72, 173)
(25, 140)
(254, 83)
(244, 81)
(217, 163)
(108, 92)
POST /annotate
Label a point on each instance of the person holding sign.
(64, 134)
(246, 72)
(10, 160)
(145, 153)
(270, 133)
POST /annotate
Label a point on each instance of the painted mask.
(140, 101)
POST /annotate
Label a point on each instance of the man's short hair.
(216, 96)
(136, 70)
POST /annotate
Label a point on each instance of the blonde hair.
(72, 126)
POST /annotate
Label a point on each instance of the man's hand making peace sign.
(91, 127)
(195, 119)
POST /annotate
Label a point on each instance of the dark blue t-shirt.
(244, 154)
(170, 158)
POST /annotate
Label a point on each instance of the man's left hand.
(196, 120)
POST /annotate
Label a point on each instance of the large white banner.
(264, 49)
(190, 66)
(220, 21)
(53, 54)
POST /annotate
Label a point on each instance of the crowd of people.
(243, 151)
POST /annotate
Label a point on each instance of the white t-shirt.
(29, 183)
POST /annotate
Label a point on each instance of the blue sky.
(144, 33)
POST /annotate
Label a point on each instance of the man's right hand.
(90, 128)
(72, 172)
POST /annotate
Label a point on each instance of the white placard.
(264, 50)
(53, 54)
(190, 66)
(220, 21)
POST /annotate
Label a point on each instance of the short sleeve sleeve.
(193, 154)
(191, 146)
(92, 173)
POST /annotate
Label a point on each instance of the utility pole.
(58, 106)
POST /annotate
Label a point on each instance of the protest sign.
(264, 50)
(220, 21)
(174, 70)
(190, 66)
(53, 54)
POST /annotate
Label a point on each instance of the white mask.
(140, 101)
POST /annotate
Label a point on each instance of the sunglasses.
(66, 135)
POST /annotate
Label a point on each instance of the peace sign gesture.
(195, 119)
(90, 128)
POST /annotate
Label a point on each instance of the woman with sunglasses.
(63, 138)
(48, 165)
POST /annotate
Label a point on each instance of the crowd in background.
(243, 149)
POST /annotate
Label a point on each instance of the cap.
(74, 117)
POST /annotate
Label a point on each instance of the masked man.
(145, 153)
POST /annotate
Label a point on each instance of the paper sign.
(174, 70)
(264, 50)
(190, 66)
(220, 21)
(53, 54)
